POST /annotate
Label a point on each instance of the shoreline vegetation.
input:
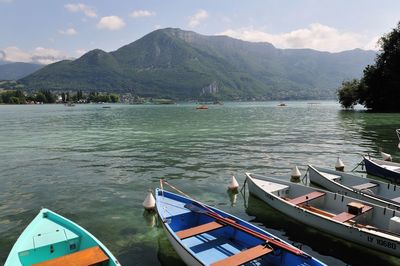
(18, 96)
(379, 88)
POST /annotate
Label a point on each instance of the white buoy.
(233, 185)
(295, 173)
(149, 202)
(339, 166)
(386, 156)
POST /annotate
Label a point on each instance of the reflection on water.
(377, 131)
(232, 196)
(95, 165)
(302, 235)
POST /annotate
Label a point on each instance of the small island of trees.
(379, 88)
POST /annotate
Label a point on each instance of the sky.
(46, 31)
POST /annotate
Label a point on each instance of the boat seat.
(365, 186)
(397, 199)
(307, 197)
(343, 217)
(346, 216)
(243, 256)
(197, 230)
(331, 176)
(86, 257)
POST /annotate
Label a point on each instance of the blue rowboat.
(385, 169)
(203, 235)
(51, 239)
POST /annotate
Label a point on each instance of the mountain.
(14, 71)
(183, 64)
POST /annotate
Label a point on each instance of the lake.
(95, 165)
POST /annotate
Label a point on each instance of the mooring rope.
(186, 195)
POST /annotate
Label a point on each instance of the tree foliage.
(379, 88)
(348, 93)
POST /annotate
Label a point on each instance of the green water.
(94, 166)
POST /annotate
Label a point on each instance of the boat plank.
(343, 217)
(244, 256)
(307, 197)
(89, 256)
(365, 186)
(197, 230)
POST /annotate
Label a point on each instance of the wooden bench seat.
(86, 257)
(346, 216)
(307, 197)
(197, 230)
(343, 217)
(365, 186)
(244, 256)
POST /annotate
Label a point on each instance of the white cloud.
(69, 31)
(373, 44)
(315, 36)
(142, 13)
(111, 23)
(38, 55)
(87, 10)
(80, 52)
(14, 54)
(197, 18)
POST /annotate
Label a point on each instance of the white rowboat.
(363, 223)
(371, 190)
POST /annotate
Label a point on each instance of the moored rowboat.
(371, 190)
(363, 223)
(50, 239)
(384, 169)
(203, 235)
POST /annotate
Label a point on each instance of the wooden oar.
(249, 231)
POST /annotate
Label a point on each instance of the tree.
(348, 93)
(379, 88)
(380, 85)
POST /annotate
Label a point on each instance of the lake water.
(94, 166)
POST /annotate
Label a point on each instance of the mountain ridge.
(180, 64)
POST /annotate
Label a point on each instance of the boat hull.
(316, 177)
(344, 231)
(373, 168)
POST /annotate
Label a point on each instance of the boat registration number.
(384, 243)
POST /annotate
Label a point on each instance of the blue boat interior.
(214, 243)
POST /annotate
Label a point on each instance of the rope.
(305, 175)
(186, 195)
(360, 163)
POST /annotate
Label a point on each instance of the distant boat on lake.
(51, 239)
(282, 105)
(202, 107)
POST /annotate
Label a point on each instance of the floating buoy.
(295, 174)
(386, 156)
(149, 202)
(233, 185)
(339, 166)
